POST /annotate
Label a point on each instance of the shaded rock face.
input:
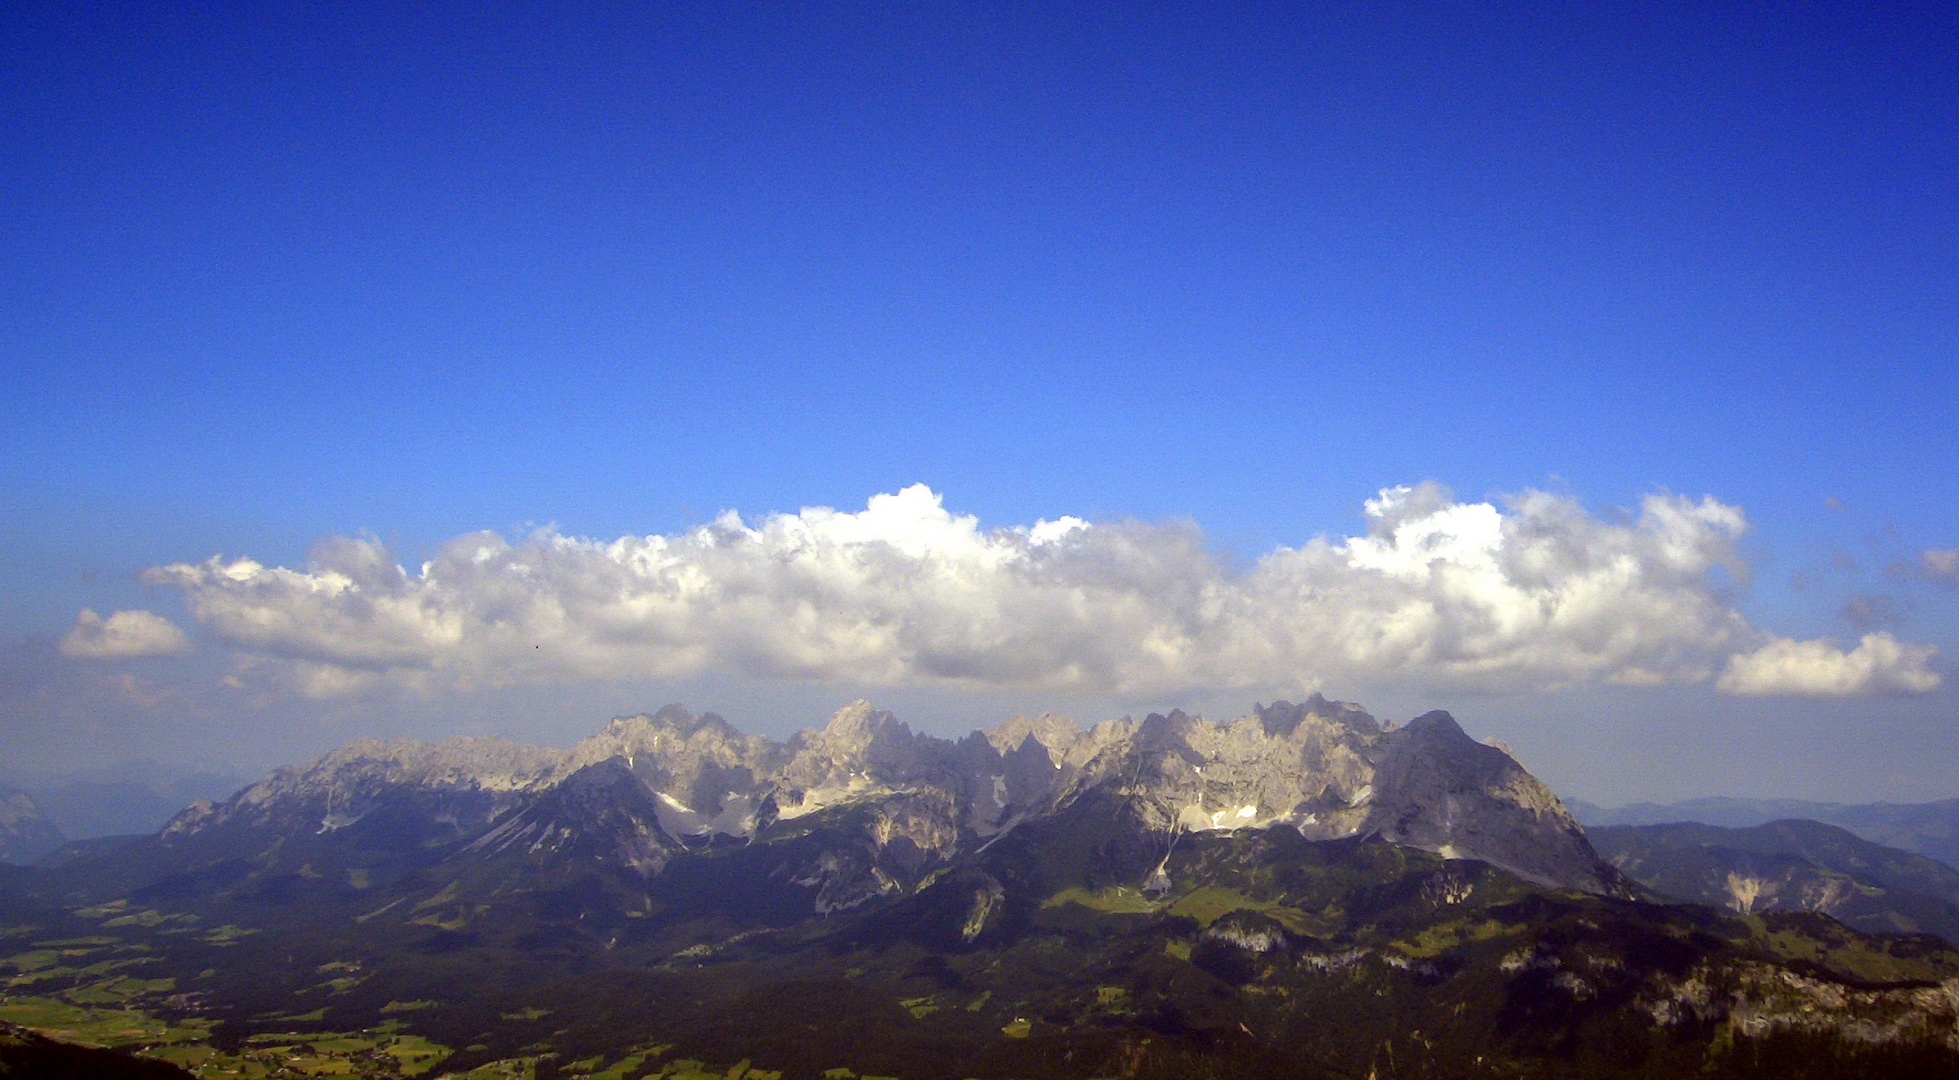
(1442, 791)
(900, 803)
(25, 835)
(600, 814)
(457, 786)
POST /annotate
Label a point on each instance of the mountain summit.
(25, 833)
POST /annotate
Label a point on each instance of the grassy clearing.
(370, 1054)
(148, 919)
(36, 960)
(1437, 940)
(508, 1069)
(119, 1028)
(1117, 901)
(1213, 902)
(619, 1070)
(118, 990)
(416, 1054)
(1206, 905)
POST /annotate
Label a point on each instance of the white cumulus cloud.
(122, 635)
(1532, 594)
(1880, 664)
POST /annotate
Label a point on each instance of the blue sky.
(276, 273)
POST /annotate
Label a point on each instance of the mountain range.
(1930, 829)
(1328, 770)
(1303, 891)
(1789, 866)
(125, 799)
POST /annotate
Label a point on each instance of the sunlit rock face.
(912, 802)
(709, 778)
(1330, 770)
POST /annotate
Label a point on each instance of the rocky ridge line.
(1327, 769)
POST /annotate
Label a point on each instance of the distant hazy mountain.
(126, 799)
(1928, 829)
(1790, 866)
(1716, 810)
(25, 834)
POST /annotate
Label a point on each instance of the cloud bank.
(1880, 664)
(123, 635)
(1536, 594)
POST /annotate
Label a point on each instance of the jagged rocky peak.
(1302, 765)
(487, 762)
(671, 724)
(863, 752)
(672, 733)
(862, 737)
(1018, 765)
(706, 776)
(1053, 733)
(674, 746)
(1281, 718)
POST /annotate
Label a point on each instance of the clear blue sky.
(274, 272)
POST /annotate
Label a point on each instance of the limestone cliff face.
(1326, 769)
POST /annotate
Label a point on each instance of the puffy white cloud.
(1537, 593)
(122, 635)
(1880, 664)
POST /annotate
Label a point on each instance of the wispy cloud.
(1873, 611)
(1940, 564)
(123, 635)
(1536, 593)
